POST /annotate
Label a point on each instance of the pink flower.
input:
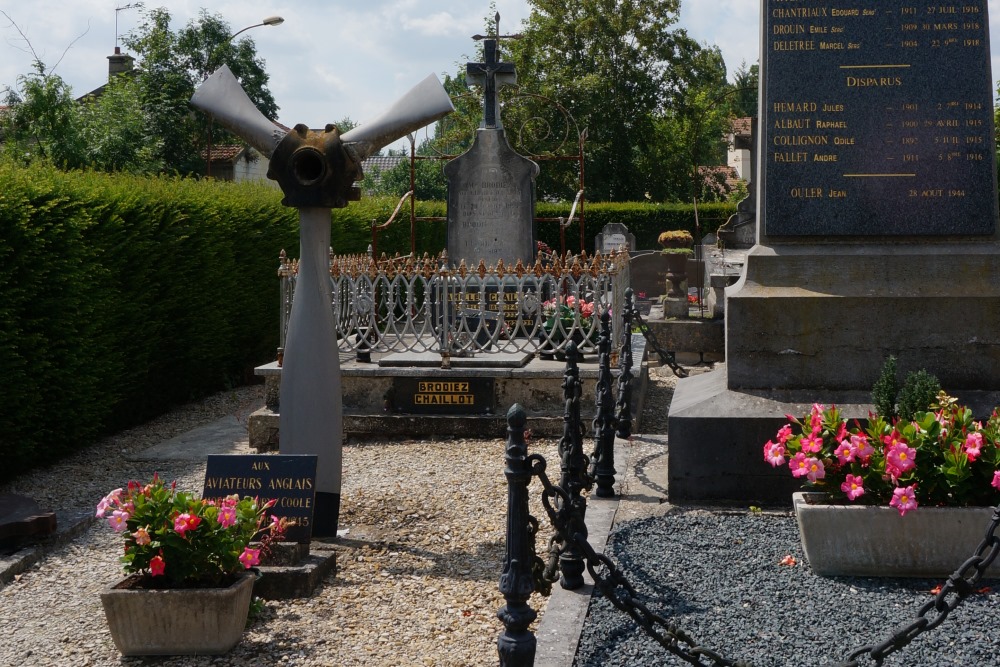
(816, 417)
(852, 486)
(904, 499)
(141, 537)
(107, 502)
(117, 520)
(784, 433)
(250, 557)
(227, 516)
(157, 566)
(899, 459)
(812, 442)
(844, 452)
(815, 469)
(774, 453)
(973, 445)
(799, 465)
(862, 449)
(185, 522)
(996, 480)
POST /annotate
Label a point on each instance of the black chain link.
(666, 357)
(959, 586)
(666, 634)
(620, 592)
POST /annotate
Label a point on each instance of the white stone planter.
(191, 621)
(866, 540)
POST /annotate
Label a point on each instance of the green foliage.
(42, 122)
(176, 536)
(126, 295)
(171, 65)
(919, 392)
(885, 390)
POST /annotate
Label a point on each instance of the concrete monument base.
(814, 324)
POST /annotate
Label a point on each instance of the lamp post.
(270, 20)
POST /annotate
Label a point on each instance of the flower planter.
(867, 540)
(190, 621)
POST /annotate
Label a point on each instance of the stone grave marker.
(648, 275)
(614, 236)
(491, 188)
(290, 479)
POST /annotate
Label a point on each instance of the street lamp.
(270, 20)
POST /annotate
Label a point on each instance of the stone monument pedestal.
(814, 324)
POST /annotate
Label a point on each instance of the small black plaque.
(451, 396)
(290, 479)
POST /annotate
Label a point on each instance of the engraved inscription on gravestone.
(614, 236)
(877, 119)
(491, 203)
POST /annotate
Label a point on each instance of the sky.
(333, 59)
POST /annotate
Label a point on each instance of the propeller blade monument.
(316, 172)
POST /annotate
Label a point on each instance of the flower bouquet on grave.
(569, 318)
(174, 540)
(939, 457)
(189, 591)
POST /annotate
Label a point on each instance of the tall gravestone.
(491, 188)
(877, 234)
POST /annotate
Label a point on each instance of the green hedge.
(121, 296)
(644, 220)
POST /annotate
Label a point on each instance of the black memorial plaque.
(288, 479)
(878, 118)
(468, 395)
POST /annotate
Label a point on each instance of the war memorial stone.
(289, 480)
(877, 232)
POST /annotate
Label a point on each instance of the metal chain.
(666, 357)
(666, 634)
(959, 586)
(614, 586)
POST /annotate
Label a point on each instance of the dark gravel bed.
(719, 577)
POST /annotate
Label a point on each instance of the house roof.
(722, 174)
(742, 126)
(381, 162)
(223, 153)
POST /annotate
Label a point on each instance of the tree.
(42, 120)
(626, 75)
(746, 81)
(172, 64)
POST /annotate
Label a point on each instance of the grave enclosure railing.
(395, 304)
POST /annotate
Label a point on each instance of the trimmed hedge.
(646, 221)
(121, 296)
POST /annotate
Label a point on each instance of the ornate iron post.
(573, 478)
(602, 461)
(624, 405)
(516, 644)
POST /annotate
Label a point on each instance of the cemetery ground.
(417, 573)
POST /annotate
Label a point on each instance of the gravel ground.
(416, 580)
(718, 576)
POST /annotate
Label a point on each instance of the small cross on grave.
(491, 74)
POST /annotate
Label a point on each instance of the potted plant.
(189, 589)
(567, 318)
(903, 496)
(676, 250)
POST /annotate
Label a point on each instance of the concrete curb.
(559, 630)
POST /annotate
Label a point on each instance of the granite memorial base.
(438, 403)
(934, 307)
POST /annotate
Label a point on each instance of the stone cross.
(490, 75)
